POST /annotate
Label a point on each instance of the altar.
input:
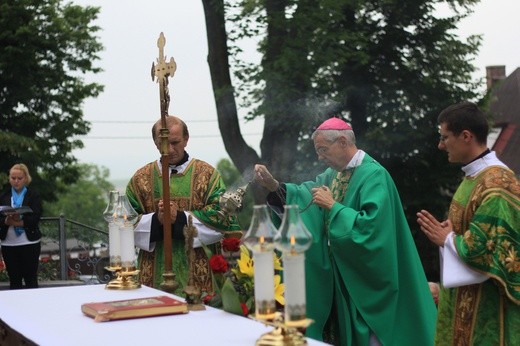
(53, 317)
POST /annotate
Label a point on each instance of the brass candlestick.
(192, 292)
(126, 278)
(282, 335)
(169, 284)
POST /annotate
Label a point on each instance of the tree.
(223, 90)
(388, 67)
(229, 172)
(47, 47)
(85, 200)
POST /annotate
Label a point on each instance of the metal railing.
(73, 251)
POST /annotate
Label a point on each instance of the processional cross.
(160, 73)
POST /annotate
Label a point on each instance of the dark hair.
(465, 115)
(170, 121)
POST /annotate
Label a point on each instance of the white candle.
(265, 305)
(114, 244)
(294, 280)
(127, 247)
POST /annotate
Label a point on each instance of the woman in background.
(19, 232)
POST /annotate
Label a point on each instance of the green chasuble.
(363, 260)
(197, 190)
(485, 213)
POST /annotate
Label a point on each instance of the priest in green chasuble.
(195, 188)
(365, 283)
(479, 242)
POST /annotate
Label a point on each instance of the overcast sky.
(123, 114)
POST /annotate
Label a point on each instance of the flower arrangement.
(230, 245)
(48, 269)
(3, 272)
(233, 278)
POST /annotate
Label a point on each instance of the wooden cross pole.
(160, 73)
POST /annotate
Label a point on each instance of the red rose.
(231, 244)
(218, 264)
(207, 298)
(245, 310)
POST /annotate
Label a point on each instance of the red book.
(134, 308)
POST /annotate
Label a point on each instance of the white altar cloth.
(53, 317)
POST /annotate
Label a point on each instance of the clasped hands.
(13, 219)
(173, 211)
(321, 196)
(435, 230)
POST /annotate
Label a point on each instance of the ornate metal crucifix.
(161, 72)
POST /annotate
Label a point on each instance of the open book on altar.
(134, 308)
(6, 209)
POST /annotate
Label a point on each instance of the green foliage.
(230, 299)
(229, 172)
(85, 200)
(47, 48)
(3, 276)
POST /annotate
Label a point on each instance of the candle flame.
(293, 240)
(262, 240)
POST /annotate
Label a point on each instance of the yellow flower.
(246, 269)
(277, 262)
(245, 263)
(279, 288)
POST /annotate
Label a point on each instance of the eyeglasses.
(443, 138)
(324, 150)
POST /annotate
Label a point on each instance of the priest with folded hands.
(195, 188)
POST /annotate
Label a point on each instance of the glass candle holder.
(127, 247)
(125, 219)
(114, 242)
(259, 239)
(293, 239)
